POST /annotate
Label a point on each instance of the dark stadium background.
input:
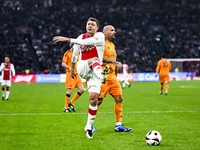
(146, 29)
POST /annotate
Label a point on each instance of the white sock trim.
(93, 107)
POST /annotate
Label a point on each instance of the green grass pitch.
(33, 118)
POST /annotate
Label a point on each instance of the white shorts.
(93, 83)
(6, 83)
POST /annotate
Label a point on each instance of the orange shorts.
(112, 87)
(164, 77)
(71, 83)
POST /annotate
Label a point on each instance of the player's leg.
(161, 88)
(76, 96)
(94, 64)
(161, 78)
(67, 98)
(3, 91)
(116, 92)
(124, 84)
(8, 85)
(126, 81)
(92, 110)
(118, 114)
(166, 87)
(7, 92)
(94, 87)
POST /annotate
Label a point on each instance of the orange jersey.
(164, 66)
(110, 53)
(67, 58)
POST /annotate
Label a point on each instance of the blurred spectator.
(135, 42)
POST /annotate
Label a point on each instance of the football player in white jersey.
(7, 69)
(91, 48)
(125, 76)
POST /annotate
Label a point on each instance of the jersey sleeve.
(76, 50)
(2, 67)
(96, 40)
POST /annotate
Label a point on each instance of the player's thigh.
(167, 78)
(115, 89)
(94, 84)
(3, 82)
(83, 69)
(161, 78)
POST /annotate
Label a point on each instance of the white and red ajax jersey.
(7, 70)
(125, 69)
(89, 46)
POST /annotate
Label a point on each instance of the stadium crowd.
(142, 35)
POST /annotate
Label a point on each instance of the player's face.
(7, 60)
(110, 33)
(91, 27)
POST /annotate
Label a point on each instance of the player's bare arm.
(72, 72)
(65, 66)
(61, 39)
(117, 64)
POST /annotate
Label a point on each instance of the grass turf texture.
(33, 118)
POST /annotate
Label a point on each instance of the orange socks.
(67, 98)
(118, 112)
(76, 96)
(161, 88)
(166, 87)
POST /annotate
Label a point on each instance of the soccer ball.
(153, 138)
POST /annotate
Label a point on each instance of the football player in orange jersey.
(71, 83)
(163, 67)
(112, 85)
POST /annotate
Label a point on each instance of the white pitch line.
(85, 113)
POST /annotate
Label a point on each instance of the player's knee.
(69, 91)
(93, 99)
(82, 90)
(166, 82)
(119, 99)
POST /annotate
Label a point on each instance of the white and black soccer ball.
(153, 138)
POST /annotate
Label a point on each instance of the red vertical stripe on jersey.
(6, 75)
(88, 51)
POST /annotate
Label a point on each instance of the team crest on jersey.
(87, 48)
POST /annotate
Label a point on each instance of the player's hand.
(156, 75)
(73, 74)
(61, 39)
(118, 65)
(13, 76)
